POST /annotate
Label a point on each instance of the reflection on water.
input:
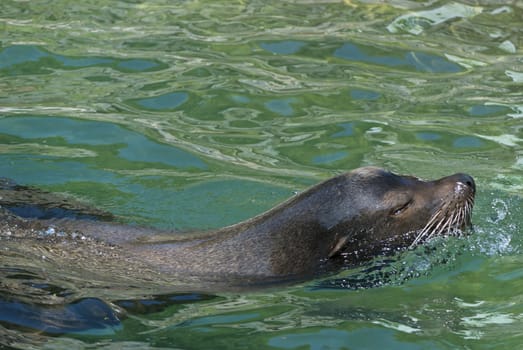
(21, 59)
(283, 47)
(131, 146)
(199, 114)
(164, 102)
(84, 315)
(417, 22)
(418, 60)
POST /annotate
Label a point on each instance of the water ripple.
(197, 114)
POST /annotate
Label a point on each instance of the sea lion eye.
(401, 208)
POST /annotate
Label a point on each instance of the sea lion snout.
(467, 180)
(463, 180)
(453, 200)
(459, 185)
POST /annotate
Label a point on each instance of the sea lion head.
(389, 212)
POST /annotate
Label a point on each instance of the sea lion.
(342, 221)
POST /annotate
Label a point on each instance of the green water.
(197, 114)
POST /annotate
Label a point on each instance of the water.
(198, 114)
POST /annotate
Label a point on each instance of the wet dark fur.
(345, 220)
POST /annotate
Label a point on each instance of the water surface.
(198, 114)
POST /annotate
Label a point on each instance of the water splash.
(497, 231)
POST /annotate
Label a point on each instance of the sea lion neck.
(317, 206)
(296, 235)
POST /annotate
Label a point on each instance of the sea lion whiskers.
(448, 220)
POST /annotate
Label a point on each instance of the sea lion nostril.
(466, 179)
(469, 181)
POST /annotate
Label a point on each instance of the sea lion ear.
(341, 242)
